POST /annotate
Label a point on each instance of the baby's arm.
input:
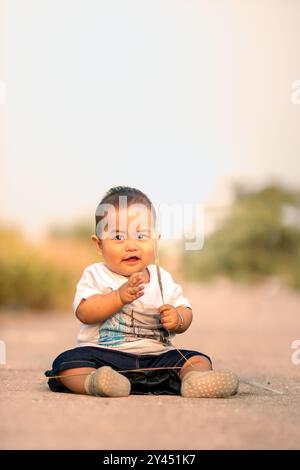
(99, 307)
(175, 319)
(186, 318)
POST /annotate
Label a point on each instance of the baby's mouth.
(131, 259)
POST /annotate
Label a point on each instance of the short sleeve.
(177, 297)
(86, 287)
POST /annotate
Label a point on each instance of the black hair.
(133, 195)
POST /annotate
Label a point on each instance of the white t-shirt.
(136, 328)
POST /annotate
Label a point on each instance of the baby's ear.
(97, 242)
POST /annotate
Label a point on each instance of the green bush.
(27, 280)
(253, 241)
(80, 230)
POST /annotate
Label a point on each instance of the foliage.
(258, 237)
(28, 279)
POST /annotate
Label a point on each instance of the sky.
(176, 98)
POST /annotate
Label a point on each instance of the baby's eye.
(142, 236)
(118, 236)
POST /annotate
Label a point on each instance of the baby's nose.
(131, 244)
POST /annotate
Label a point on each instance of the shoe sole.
(106, 382)
(212, 384)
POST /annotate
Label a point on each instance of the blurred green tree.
(258, 237)
(27, 280)
(80, 230)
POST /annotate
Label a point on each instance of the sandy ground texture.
(247, 329)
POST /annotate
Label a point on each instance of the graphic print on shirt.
(112, 330)
(131, 323)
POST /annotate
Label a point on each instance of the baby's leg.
(200, 363)
(198, 380)
(75, 384)
(103, 382)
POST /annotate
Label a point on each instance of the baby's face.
(127, 241)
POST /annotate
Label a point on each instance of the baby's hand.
(132, 289)
(168, 316)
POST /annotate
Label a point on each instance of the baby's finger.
(169, 323)
(139, 294)
(135, 290)
(166, 314)
(135, 279)
(164, 307)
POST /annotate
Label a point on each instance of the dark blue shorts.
(158, 382)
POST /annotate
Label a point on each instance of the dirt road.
(247, 329)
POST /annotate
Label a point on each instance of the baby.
(129, 311)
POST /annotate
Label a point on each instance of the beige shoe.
(106, 382)
(211, 384)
